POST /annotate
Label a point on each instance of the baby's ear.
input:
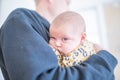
(83, 37)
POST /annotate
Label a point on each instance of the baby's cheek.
(68, 49)
(52, 44)
(72, 47)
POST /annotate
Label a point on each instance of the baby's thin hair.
(69, 17)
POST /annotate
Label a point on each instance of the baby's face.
(64, 38)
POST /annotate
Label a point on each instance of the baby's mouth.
(63, 54)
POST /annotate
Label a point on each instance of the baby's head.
(67, 32)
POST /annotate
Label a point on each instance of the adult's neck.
(44, 12)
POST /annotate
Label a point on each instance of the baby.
(68, 38)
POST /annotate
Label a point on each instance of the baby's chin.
(64, 54)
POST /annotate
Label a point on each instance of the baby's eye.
(52, 38)
(65, 39)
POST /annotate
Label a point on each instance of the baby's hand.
(97, 47)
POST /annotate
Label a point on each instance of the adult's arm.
(25, 55)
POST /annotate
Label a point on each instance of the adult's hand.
(97, 47)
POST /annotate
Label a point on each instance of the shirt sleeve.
(27, 56)
(98, 66)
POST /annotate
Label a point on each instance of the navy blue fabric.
(26, 55)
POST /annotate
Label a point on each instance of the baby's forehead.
(71, 24)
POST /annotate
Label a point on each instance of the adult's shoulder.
(22, 18)
(23, 15)
(21, 12)
(27, 14)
